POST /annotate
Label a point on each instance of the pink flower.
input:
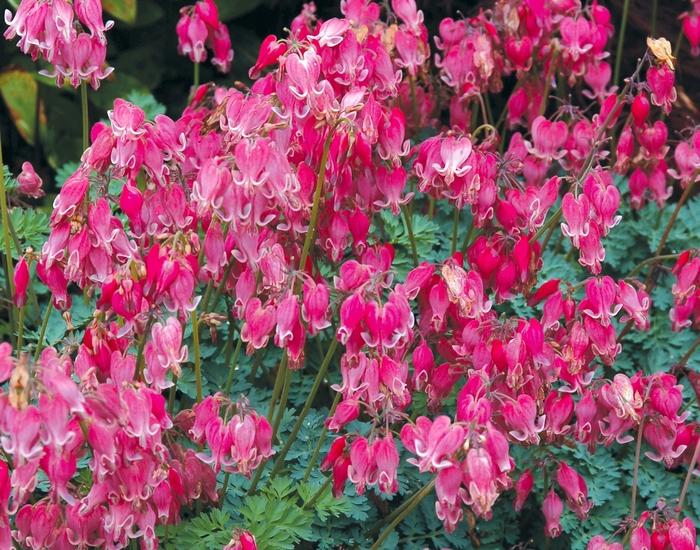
(521, 417)
(21, 282)
(259, 322)
(636, 303)
(552, 508)
(29, 182)
(523, 487)
(574, 486)
(433, 442)
(691, 30)
(548, 138)
(242, 540)
(454, 155)
(387, 460)
(682, 535)
(164, 352)
(661, 81)
(480, 479)
(449, 497)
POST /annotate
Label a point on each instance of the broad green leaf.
(125, 10)
(18, 89)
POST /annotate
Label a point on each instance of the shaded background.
(143, 49)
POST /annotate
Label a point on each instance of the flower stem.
(318, 494)
(688, 476)
(232, 368)
(635, 474)
(548, 82)
(637, 268)
(414, 501)
(414, 103)
(86, 116)
(197, 357)
(323, 369)
(277, 388)
(196, 76)
(42, 331)
(320, 183)
(455, 226)
(142, 346)
(219, 289)
(411, 236)
(688, 354)
(283, 402)
(20, 329)
(669, 227)
(621, 42)
(321, 440)
(5, 218)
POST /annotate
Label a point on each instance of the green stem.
(688, 354)
(679, 43)
(196, 75)
(414, 103)
(20, 329)
(548, 83)
(197, 357)
(320, 183)
(321, 440)
(635, 472)
(637, 268)
(455, 226)
(411, 236)
(283, 403)
(219, 289)
(140, 361)
(86, 116)
(42, 331)
(688, 477)
(277, 388)
(669, 226)
(307, 406)
(232, 368)
(5, 218)
(621, 42)
(318, 494)
(171, 396)
(468, 237)
(415, 500)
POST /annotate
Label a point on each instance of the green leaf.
(208, 530)
(31, 227)
(125, 10)
(19, 91)
(275, 521)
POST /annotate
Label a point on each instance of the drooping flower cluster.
(265, 207)
(70, 36)
(199, 28)
(686, 292)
